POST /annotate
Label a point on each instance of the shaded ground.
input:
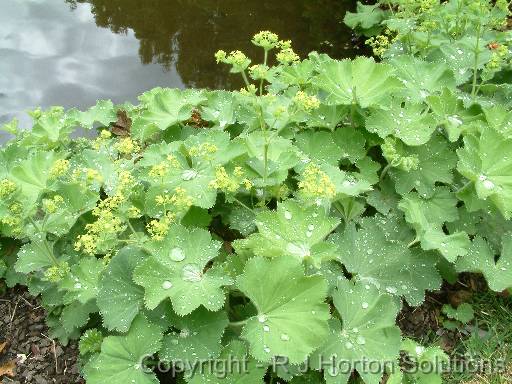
(27, 355)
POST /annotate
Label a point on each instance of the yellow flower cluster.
(306, 102)
(7, 187)
(380, 44)
(180, 199)
(125, 182)
(266, 39)
(390, 152)
(249, 90)
(286, 55)
(428, 5)
(498, 58)
(237, 59)
(160, 170)
(224, 182)
(106, 223)
(59, 168)
(105, 135)
(203, 150)
(51, 205)
(316, 183)
(158, 228)
(90, 175)
(14, 222)
(127, 146)
(57, 272)
(258, 72)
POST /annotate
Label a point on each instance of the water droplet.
(78, 286)
(177, 254)
(360, 340)
(166, 284)
(287, 215)
(285, 337)
(262, 318)
(266, 328)
(349, 345)
(266, 349)
(311, 227)
(365, 305)
(488, 184)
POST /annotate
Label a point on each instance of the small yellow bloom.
(315, 183)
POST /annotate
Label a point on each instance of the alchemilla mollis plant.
(282, 226)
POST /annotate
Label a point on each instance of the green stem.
(246, 80)
(263, 127)
(132, 230)
(236, 324)
(464, 187)
(265, 58)
(413, 243)
(242, 205)
(475, 66)
(385, 171)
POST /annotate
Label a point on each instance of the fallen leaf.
(7, 369)
(2, 346)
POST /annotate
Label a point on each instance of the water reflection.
(53, 53)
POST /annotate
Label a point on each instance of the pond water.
(73, 52)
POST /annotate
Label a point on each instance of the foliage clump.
(289, 219)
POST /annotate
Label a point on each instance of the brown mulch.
(27, 355)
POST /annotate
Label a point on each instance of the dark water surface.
(73, 52)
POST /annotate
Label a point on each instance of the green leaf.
(360, 81)
(242, 370)
(103, 112)
(420, 78)
(33, 173)
(450, 110)
(431, 361)
(166, 107)
(463, 313)
(194, 172)
(281, 156)
(220, 108)
(351, 142)
(500, 119)
(177, 269)
(483, 161)
(50, 127)
(119, 298)
(327, 116)
(411, 123)
(481, 259)
(389, 266)
(293, 230)
(77, 199)
(82, 282)
(285, 297)
(121, 357)
(319, 146)
(368, 333)
(197, 337)
(436, 162)
(365, 17)
(428, 216)
(35, 255)
(76, 314)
